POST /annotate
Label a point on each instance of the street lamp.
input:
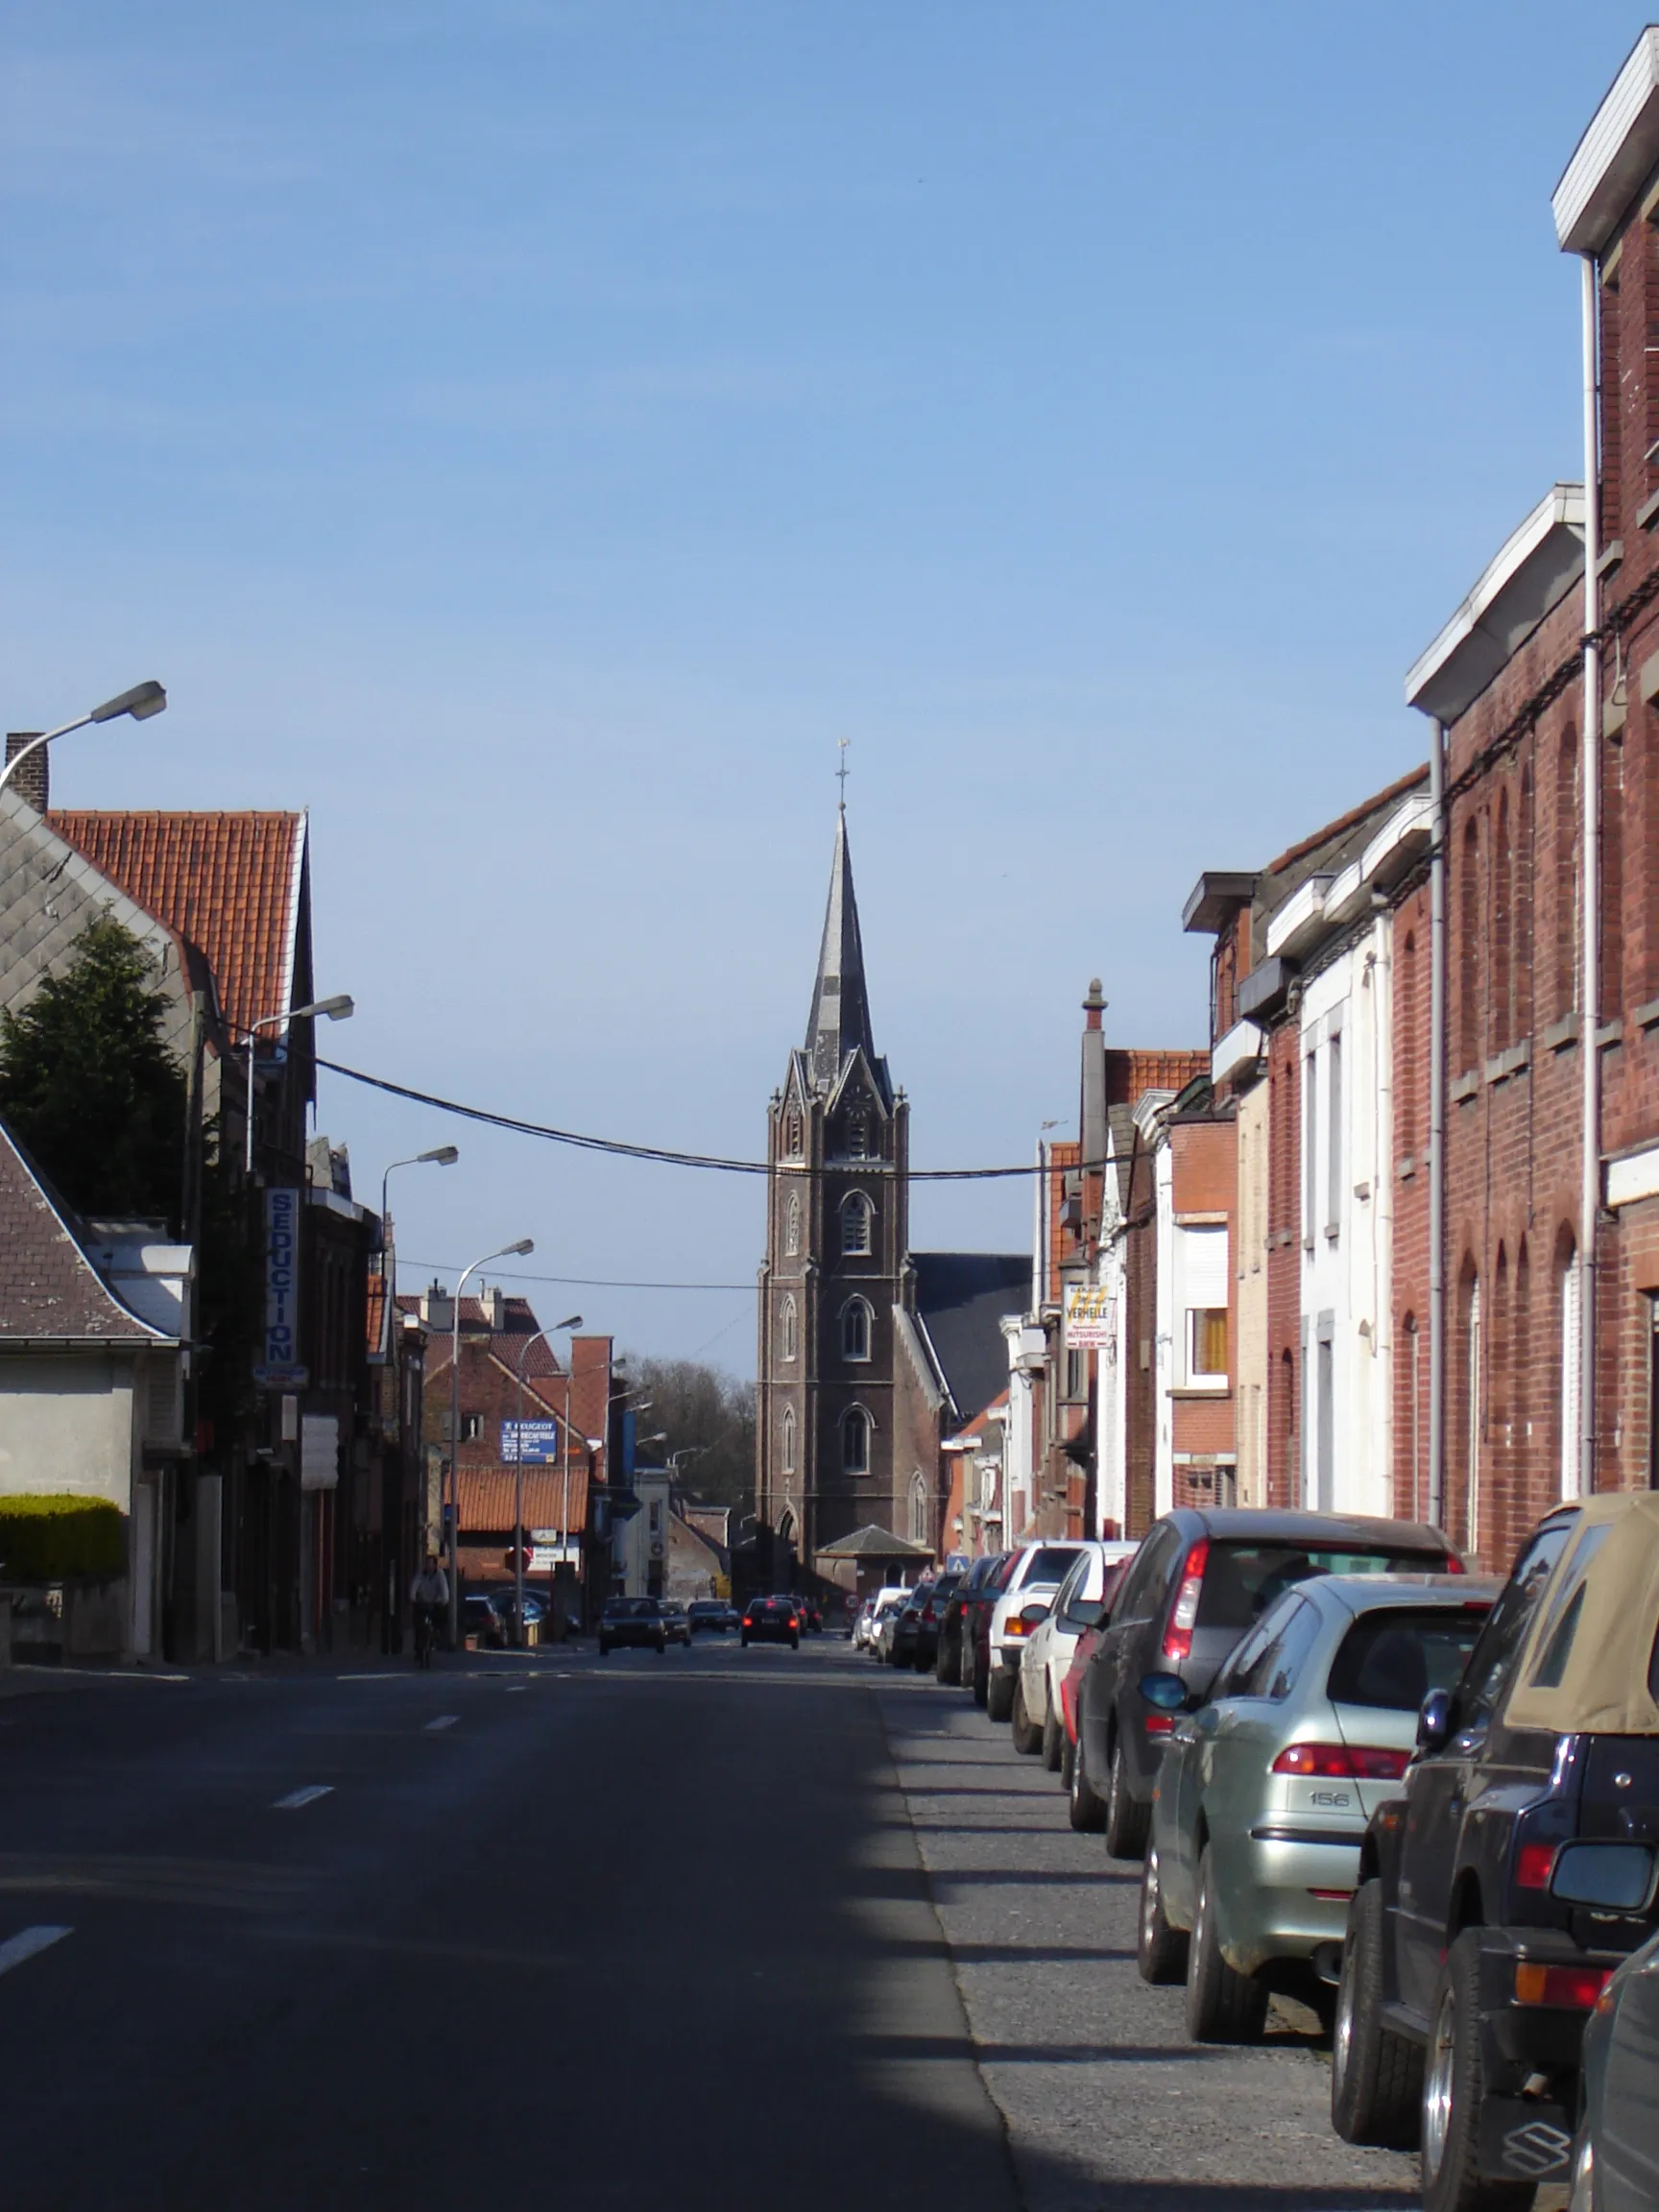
(441, 1156)
(141, 702)
(507, 1252)
(542, 1337)
(337, 1009)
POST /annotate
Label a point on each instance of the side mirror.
(1034, 1616)
(1163, 1693)
(1617, 1877)
(1435, 1721)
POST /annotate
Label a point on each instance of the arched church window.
(792, 1145)
(857, 1225)
(856, 1320)
(855, 1441)
(788, 1439)
(787, 1331)
(792, 1232)
(918, 1533)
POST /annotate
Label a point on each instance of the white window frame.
(857, 1306)
(790, 1328)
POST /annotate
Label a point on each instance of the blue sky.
(531, 436)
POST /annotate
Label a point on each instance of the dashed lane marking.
(444, 1720)
(306, 1796)
(25, 1945)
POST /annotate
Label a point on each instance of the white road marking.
(444, 1720)
(24, 1946)
(516, 1689)
(306, 1796)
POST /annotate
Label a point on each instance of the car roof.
(1358, 1593)
(1606, 1681)
(1322, 1531)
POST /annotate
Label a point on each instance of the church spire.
(840, 999)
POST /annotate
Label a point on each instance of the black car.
(902, 1645)
(1500, 1892)
(635, 1624)
(771, 1620)
(710, 1613)
(953, 1657)
(931, 1614)
(1199, 1580)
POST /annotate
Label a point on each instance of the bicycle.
(423, 1635)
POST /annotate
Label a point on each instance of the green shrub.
(49, 1538)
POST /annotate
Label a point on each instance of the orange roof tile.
(229, 883)
(487, 1499)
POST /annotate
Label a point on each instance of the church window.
(918, 1508)
(788, 1439)
(857, 1220)
(793, 1133)
(855, 1442)
(792, 1234)
(787, 1331)
(857, 1138)
(855, 1331)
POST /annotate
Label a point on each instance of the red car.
(1085, 1644)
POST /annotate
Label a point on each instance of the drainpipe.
(1590, 1016)
(1437, 1127)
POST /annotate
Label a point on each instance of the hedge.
(51, 1537)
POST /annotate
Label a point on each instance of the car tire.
(1376, 2076)
(1160, 1949)
(1453, 2091)
(999, 1694)
(794, 1643)
(1067, 1761)
(1082, 1807)
(744, 1640)
(1053, 1740)
(981, 1681)
(1127, 1824)
(1027, 1736)
(948, 1661)
(1223, 2005)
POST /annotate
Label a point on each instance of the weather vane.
(841, 772)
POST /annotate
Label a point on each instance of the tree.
(88, 1086)
(702, 1408)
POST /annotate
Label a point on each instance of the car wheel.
(1067, 1761)
(1376, 2076)
(1126, 1823)
(744, 1642)
(1223, 2005)
(1160, 1949)
(999, 1694)
(1453, 2091)
(946, 1661)
(981, 1682)
(1027, 1736)
(794, 1643)
(1083, 1805)
(1053, 1740)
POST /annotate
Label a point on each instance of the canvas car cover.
(1604, 1660)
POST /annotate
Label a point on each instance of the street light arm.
(141, 702)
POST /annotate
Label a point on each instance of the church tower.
(837, 1267)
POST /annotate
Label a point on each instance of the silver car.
(1265, 1790)
(1617, 2165)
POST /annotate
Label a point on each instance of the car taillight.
(1014, 1626)
(1178, 1636)
(1343, 1762)
(748, 1620)
(1574, 1989)
(928, 1615)
(1454, 1565)
(1159, 1723)
(1534, 1865)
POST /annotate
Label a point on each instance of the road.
(716, 1928)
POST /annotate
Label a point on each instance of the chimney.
(31, 780)
(494, 1304)
(437, 1308)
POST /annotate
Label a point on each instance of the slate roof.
(961, 1298)
(229, 883)
(872, 1542)
(839, 1023)
(487, 1499)
(50, 1292)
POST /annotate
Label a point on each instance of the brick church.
(869, 1356)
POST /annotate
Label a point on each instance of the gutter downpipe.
(1437, 1126)
(1590, 1187)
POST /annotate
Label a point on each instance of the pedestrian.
(428, 1593)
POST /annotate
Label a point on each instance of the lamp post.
(506, 1252)
(340, 1008)
(441, 1156)
(141, 702)
(542, 1337)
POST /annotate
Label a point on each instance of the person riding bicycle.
(429, 1595)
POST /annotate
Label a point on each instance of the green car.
(1265, 1789)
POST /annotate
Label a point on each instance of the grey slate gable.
(50, 1292)
(961, 1298)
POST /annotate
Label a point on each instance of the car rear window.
(1052, 1563)
(1241, 1581)
(1393, 1658)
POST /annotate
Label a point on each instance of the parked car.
(859, 1633)
(925, 1652)
(1616, 2164)
(1264, 1790)
(887, 1604)
(1022, 1600)
(632, 1623)
(1046, 1659)
(677, 1621)
(811, 1617)
(900, 1634)
(710, 1614)
(1499, 1889)
(977, 1663)
(502, 1608)
(952, 1662)
(771, 1620)
(1199, 1580)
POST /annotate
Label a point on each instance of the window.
(793, 1135)
(788, 1439)
(857, 1220)
(1471, 952)
(1472, 1425)
(1201, 1294)
(855, 1330)
(1076, 1374)
(1392, 1658)
(919, 1531)
(1505, 1631)
(1208, 1350)
(1502, 918)
(1566, 921)
(471, 1428)
(1522, 957)
(1273, 1669)
(857, 1138)
(1560, 1630)
(1309, 1144)
(855, 1442)
(788, 1331)
(1334, 1138)
(792, 1229)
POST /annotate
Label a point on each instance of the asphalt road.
(724, 1927)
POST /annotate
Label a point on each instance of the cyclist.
(429, 1595)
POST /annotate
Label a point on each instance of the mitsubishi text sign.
(1089, 1319)
(281, 1362)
